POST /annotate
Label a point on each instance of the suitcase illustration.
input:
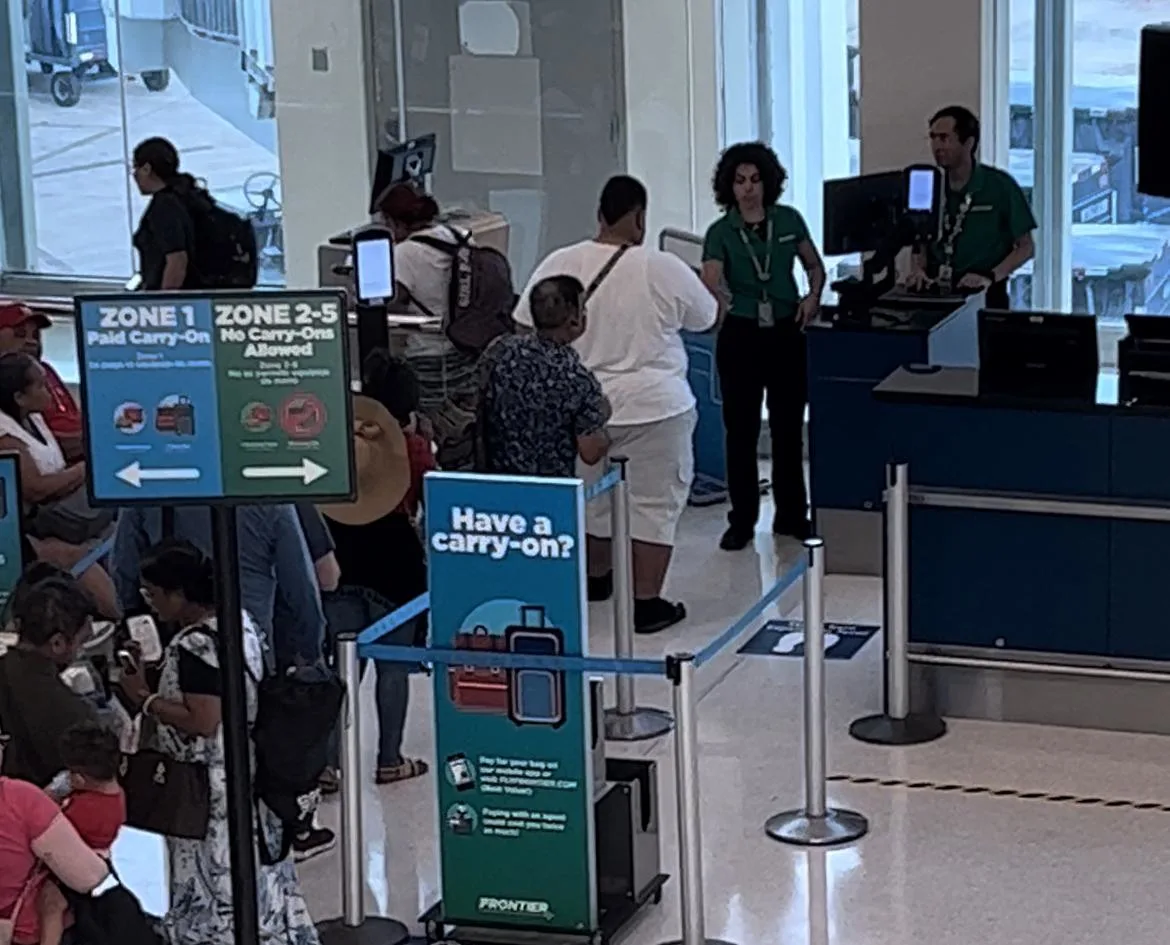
(479, 688)
(535, 696)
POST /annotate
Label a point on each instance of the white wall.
(672, 112)
(323, 126)
(916, 56)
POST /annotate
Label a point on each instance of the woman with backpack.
(178, 584)
(424, 251)
(165, 238)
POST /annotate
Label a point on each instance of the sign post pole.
(235, 725)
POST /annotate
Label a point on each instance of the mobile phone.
(460, 769)
(536, 696)
(127, 662)
(144, 632)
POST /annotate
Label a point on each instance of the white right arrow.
(308, 471)
(135, 475)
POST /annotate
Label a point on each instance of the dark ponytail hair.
(178, 566)
(403, 204)
(163, 158)
(15, 367)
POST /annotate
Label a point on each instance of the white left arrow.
(135, 475)
(308, 471)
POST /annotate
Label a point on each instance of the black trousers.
(754, 362)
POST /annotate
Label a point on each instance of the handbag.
(164, 796)
(71, 519)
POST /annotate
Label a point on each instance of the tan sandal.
(410, 768)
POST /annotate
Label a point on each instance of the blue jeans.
(348, 613)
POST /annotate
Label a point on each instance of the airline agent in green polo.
(987, 223)
(749, 258)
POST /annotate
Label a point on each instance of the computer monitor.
(881, 213)
(1148, 328)
(1037, 354)
(409, 162)
(861, 213)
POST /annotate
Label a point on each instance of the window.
(1104, 249)
(78, 90)
(790, 75)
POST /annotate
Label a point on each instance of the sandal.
(409, 768)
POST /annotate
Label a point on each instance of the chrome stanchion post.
(816, 824)
(354, 927)
(897, 725)
(627, 722)
(681, 670)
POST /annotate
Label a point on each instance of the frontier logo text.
(518, 907)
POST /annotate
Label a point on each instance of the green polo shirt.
(725, 244)
(998, 216)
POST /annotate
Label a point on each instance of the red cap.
(17, 313)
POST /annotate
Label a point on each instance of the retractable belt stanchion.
(627, 722)
(354, 927)
(897, 725)
(815, 825)
(681, 670)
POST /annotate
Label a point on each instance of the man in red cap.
(20, 330)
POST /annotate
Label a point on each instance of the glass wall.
(1112, 243)
(526, 98)
(81, 82)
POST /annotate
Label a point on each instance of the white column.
(18, 231)
(672, 107)
(739, 56)
(324, 125)
(1052, 137)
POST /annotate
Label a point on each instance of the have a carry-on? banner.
(514, 780)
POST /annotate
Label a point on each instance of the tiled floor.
(938, 866)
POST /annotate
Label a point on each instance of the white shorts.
(661, 467)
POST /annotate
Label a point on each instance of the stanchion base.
(375, 930)
(707, 941)
(641, 724)
(836, 827)
(915, 729)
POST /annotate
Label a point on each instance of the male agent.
(987, 223)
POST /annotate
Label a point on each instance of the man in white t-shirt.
(639, 301)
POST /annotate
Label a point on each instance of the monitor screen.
(411, 161)
(1038, 354)
(373, 268)
(862, 213)
(920, 191)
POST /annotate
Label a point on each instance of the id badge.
(946, 276)
(764, 315)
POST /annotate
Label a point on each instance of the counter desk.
(1039, 549)
(846, 358)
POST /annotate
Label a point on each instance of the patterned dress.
(200, 870)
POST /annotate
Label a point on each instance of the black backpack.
(482, 296)
(295, 721)
(113, 917)
(225, 245)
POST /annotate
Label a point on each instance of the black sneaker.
(736, 539)
(313, 842)
(601, 588)
(655, 615)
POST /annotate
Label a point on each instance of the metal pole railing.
(816, 824)
(681, 669)
(897, 725)
(627, 722)
(354, 927)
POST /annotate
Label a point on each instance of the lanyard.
(953, 229)
(763, 272)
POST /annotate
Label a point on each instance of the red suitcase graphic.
(479, 688)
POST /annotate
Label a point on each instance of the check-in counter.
(846, 358)
(1039, 541)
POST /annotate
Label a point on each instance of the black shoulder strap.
(605, 271)
(409, 298)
